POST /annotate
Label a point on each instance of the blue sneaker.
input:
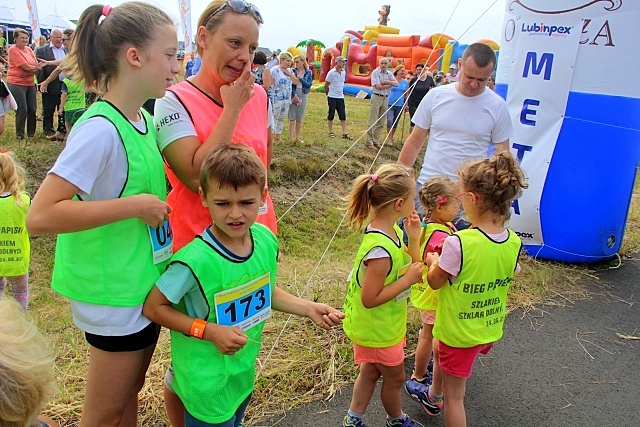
(405, 422)
(357, 423)
(420, 393)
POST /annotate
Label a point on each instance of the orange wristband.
(197, 328)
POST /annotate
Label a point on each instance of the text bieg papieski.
(486, 307)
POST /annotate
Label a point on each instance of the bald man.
(53, 53)
(381, 82)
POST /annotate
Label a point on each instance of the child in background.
(474, 273)
(225, 276)
(105, 198)
(437, 197)
(73, 102)
(379, 285)
(14, 240)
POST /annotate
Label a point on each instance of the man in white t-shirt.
(461, 119)
(334, 89)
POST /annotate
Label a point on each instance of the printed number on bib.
(161, 242)
(404, 294)
(245, 306)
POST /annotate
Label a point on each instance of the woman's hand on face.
(238, 93)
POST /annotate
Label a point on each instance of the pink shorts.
(428, 317)
(459, 361)
(387, 356)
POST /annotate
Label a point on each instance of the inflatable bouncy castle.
(577, 126)
(364, 49)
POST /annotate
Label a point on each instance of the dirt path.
(556, 366)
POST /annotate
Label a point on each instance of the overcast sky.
(288, 22)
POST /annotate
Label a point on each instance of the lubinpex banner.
(566, 71)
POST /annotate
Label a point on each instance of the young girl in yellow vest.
(105, 198)
(437, 196)
(14, 239)
(474, 273)
(379, 285)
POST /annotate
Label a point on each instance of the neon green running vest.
(385, 325)
(213, 385)
(471, 310)
(422, 296)
(15, 251)
(113, 264)
(76, 99)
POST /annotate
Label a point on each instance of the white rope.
(326, 250)
(595, 257)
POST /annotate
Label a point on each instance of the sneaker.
(420, 393)
(347, 423)
(406, 422)
(427, 380)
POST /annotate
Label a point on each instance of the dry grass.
(298, 363)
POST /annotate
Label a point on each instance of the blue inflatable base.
(587, 193)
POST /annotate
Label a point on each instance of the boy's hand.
(227, 339)
(324, 315)
(413, 225)
(414, 274)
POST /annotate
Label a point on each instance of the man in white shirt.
(381, 82)
(334, 89)
(53, 53)
(461, 119)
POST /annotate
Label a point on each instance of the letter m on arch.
(531, 62)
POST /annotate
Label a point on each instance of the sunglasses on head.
(238, 6)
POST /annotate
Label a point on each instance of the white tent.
(51, 22)
(8, 16)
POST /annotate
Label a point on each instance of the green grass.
(298, 362)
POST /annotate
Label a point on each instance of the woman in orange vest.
(218, 105)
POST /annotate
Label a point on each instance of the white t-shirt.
(94, 160)
(461, 128)
(336, 83)
(173, 122)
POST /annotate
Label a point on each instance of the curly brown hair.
(497, 181)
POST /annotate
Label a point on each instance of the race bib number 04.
(245, 306)
(161, 242)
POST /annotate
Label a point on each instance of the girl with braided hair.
(437, 196)
(474, 273)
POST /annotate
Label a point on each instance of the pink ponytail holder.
(4, 151)
(441, 200)
(374, 177)
(106, 9)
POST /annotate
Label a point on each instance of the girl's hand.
(237, 94)
(151, 210)
(324, 315)
(432, 258)
(414, 274)
(227, 339)
(413, 225)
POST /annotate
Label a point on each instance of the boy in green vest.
(72, 102)
(219, 289)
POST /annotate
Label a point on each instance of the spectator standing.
(397, 97)
(334, 89)
(300, 93)
(280, 92)
(52, 53)
(23, 66)
(419, 86)
(452, 75)
(382, 80)
(258, 70)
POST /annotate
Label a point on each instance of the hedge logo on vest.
(246, 305)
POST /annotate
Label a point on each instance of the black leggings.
(25, 97)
